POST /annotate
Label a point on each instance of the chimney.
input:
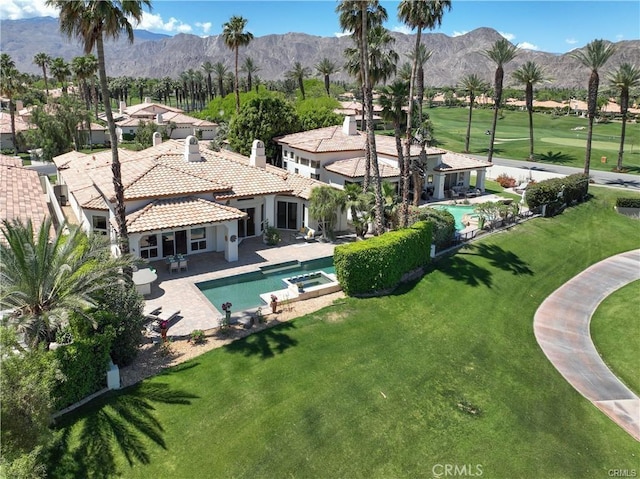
(349, 126)
(157, 138)
(191, 149)
(147, 99)
(159, 118)
(19, 105)
(258, 157)
(123, 105)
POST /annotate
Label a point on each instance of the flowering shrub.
(506, 181)
(226, 306)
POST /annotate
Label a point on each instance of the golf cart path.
(561, 326)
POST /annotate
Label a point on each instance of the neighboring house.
(182, 198)
(335, 155)
(6, 139)
(171, 120)
(21, 193)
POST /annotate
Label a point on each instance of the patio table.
(143, 278)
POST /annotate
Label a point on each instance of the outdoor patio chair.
(174, 266)
(183, 264)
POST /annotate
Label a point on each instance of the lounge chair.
(169, 316)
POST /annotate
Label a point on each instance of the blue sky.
(550, 26)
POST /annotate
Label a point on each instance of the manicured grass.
(615, 330)
(445, 371)
(556, 141)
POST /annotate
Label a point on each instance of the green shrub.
(557, 193)
(442, 221)
(378, 264)
(128, 136)
(628, 202)
(83, 363)
(197, 336)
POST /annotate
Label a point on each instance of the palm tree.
(81, 69)
(529, 75)
(44, 280)
(220, 71)
(471, 84)
(208, 69)
(594, 56)
(501, 53)
(326, 67)
(324, 202)
(43, 61)
(90, 22)
(358, 203)
(417, 15)
(249, 67)
(234, 38)
(627, 76)
(356, 16)
(298, 74)
(423, 57)
(393, 99)
(12, 84)
(60, 71)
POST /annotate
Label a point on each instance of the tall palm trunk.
(12, 115)
(496, 108)
(404, 209)
(467, 139)
(592, 103)
(236, 83)
(529, 101)
(123, 238)
(624, 107)
(44, 74)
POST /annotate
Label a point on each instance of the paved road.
(562, 328)
(607, 178)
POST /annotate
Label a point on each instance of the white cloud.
(342, 34)
(528, 46)
(402, 29)
(508, 36)
(17, 9)
(206, 27)
(571, 41)
(155, 23)
(619, 37)
(458, 34)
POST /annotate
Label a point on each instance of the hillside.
(155, 55)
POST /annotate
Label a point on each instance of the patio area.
(176, 290)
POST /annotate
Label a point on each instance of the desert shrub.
(197, 336)
(506, 181)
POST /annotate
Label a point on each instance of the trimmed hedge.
(83, 364)
(628, 202)
(378, 264)
(557, 193)
(443, 223)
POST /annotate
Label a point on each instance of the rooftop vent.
(191, 149)
(349, 126)
(157, 138)
(258, 157)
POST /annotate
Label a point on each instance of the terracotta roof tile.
(21, 194)
(355, 168)
(455, 161)
(178, 213)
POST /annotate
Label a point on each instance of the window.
(314, 164)
(198, 239)
(296, 171)
(149, 246)
(315, 176)
(287, 215)
(100, 224)
(304, 162)
(284, 165)
(430, 179)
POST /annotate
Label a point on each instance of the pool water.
(458, 211)
(243, 290)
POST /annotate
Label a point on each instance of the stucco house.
(335, 155)
(172, 120)
(21, 194)
(182, 198)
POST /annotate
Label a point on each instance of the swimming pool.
(458, 211)
(243, 290)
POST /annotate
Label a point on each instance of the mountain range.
(155, 55)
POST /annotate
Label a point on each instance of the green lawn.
(555, 139)
(615, 329)
(444, 371)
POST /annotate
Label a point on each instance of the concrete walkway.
(561, 326)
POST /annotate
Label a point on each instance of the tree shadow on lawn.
(117, 421)
(551, 157)
(265, 343)
(460, 268)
